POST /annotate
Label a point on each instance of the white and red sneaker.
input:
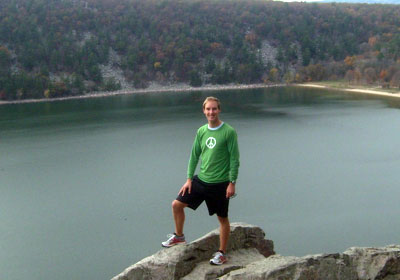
(218, 259)
(173, 240)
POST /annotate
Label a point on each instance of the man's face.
(211, 111)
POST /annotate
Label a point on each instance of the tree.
(157, 65)
(195, 79)
(274, 75)
(350, 60)
(357, 75)
(372, 41)
(395, 81)
(210, 65)
(350, 76)
(46, 93)
(111, 84)
(306, 56)
(220, 75)
(251, 37)
(77, 84)
(94, 73)
(314, 72)
(169, 39)
(370, 75)
(382, 75)
(394, 47)
(289, 77)
(58, 89)
(5, 61)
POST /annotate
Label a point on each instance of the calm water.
(86, 185)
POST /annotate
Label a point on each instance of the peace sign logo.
(210, 142)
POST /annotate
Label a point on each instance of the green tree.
(210, 65)
(94, 73)
(111, 84)
(77, 85)
(195, 79)
(394, 46)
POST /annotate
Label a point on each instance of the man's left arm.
(234, 163)
(230, 191)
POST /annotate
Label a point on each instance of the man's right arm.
(186, 188)
(194, 157)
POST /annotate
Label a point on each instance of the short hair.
(212, 98)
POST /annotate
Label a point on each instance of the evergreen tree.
(195, 79)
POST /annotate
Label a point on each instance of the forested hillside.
(51, 48)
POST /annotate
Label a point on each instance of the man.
(217, 147)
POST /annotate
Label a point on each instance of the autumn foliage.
(57, 48)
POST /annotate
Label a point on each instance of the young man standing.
(216, 147)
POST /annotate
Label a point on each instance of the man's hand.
(187, 187)
(230, 191)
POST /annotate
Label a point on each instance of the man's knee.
(177, 205)
(223, 220)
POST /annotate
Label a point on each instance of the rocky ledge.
(251, 256)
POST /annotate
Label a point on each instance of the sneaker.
(218, 259)
(173, 240)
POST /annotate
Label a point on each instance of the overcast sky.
(349, 1)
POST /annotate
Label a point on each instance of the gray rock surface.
(246, 242)
(251, 256)
(353, 264)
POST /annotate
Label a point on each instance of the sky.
(350, 1)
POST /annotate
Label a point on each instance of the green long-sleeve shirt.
(219, 154)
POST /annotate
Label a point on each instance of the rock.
(113, 70)
(268, 53)
(237, 260)
(251, 256)
(353, 264)
(179, 261)
(376, 263)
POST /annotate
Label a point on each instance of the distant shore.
(187, 88)
(353, 90)
(151, 89)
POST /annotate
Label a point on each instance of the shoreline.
(353, 90)
(149, 90)
(187, 88)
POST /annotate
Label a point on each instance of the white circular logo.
(210, 142)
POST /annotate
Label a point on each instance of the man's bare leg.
(179, 216)
(224, 231)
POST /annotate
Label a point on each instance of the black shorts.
(213, 194)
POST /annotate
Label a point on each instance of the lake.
(86, 185)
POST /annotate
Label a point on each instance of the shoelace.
(170, 235)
